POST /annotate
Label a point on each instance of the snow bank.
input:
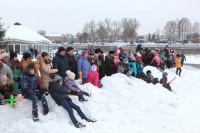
(123, 105)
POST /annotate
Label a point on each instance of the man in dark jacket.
(60, 62)
(71, 60)
(60, 96)
(166, 52)
(110, 65)
(101, 63)
(183, 58)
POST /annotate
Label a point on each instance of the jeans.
(68, 105)
(35, 99)
(80, 94)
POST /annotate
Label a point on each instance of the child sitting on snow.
(60, 96)
(151, 78)
(163, 81)
(93, 77)
(70, 84)
(124, 68)
(6, 89)
(31, 89)
(132, 65)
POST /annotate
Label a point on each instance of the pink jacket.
(93, 78)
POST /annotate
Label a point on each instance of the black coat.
(101, 66)
(167, 53)
(110, 65)
(61, 63)
(58, 92)
(72, 64)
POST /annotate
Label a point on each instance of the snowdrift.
(123, 105)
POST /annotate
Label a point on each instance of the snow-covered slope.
(123, 105)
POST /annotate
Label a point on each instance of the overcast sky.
(69, 16)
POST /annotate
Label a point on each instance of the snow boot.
(93, 121)
(80, 125)
(2, 102)
(46, 110)
(35, 116)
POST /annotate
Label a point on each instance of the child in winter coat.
(71, 86)
(93, 76)
(124, 68)
(60, 96)
(132, 65)
(177, 61)
(151, 78)
(6, 89)
(163, 81)
(116, 59)
(32, 90)
(156, 60)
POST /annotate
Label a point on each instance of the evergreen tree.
(2, 35)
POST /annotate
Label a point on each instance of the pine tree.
(2, 35)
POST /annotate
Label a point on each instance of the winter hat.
(111, 52)
(138, 54)
(4, 55)
(69, 49)
(12, 55)
(164, 74)
(84, 52)
(27, 55)
(60, 49)
(132, 57)
(91, 53)
(44, 54)
(94, 68)
(31, 66)
(58, 78)
(3, 78)
(125, 60)
(70, 74)
(116, 54)
(148, 71)
(80, 52)
(97, 50)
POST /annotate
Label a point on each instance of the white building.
(21, 39)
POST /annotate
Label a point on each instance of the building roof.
(23, 34)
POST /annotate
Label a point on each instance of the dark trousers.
(69, 105)
(35, 99)
(84, 81)
(178, 71)
(80, 94)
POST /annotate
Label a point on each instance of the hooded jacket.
(84, 67)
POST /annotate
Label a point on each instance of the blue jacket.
(58, 92)
(61, 63)
(84, 67)
(30, 85)
(133, 66)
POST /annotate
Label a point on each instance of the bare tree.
(116, 30)
(170, 31)
(157, 34)
(42, 32)
(102, 32)
(108, 26)
(196, 31)
(184, 29)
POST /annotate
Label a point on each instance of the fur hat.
(94, 68)
(60, 49)
(132, 57)
(31, 66)
(164, 74)
(84, 52)
(111, 52)
(69, 49)
(70, 74)
(58, 78)
(97, 50)
(4, 55)
(27, 55)
(12, 55)
(3, 78)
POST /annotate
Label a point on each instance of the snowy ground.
(192, 59)
(123, 105)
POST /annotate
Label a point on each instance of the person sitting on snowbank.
(31, 89)
(93, 77)
(124, 68)
(163, 81)
(60, 96)
(71, 86)
(151, 78)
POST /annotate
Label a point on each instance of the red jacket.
(93, 78)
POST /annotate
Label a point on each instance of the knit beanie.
(3, 78)
(4, 55)
(94, 68)
(12, 55)
(60, 49)
(58, 78)
(84, 52)
(26, 55)
(70, 74)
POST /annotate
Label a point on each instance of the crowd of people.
(36, 79)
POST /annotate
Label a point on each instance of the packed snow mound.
(124, 104)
